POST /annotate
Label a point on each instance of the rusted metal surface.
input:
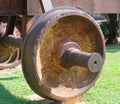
(12, 7)
(71, 55)
(27, 22)
(9, 56)
(32, 7)
(19, 7)
(10, 25)
(9, 39)
(12, 40)
(41, 65)
(12, 60)
(106, 6)
(92, 6)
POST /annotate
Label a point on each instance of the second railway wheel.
(63, 54)
(9, 55)
(9, 58)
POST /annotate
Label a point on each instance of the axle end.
(95, 62)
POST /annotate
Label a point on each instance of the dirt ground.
(9, 71)
(45, 101)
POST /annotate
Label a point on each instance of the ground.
(8, 71)
(35, 97)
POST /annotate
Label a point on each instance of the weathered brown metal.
(91, 6)
(32, 7)
(12, 7)
(41, 65)
(71, 55)
(8, 38)
(14, 41)
(27, 22)
(13, 59)
(9, 55)
(54, 72)
(9, 30)
(10, 25)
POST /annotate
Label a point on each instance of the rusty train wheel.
(9, 56)
(41, 64)
(12, 61)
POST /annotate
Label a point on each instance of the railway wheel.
(63, 54)
(9, 55)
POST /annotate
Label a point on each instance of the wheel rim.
(40, 65)
(9, 56)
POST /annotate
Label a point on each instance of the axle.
(8, 38)
(12, 40)
(73, 56)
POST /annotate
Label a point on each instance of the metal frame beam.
(32, 7)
